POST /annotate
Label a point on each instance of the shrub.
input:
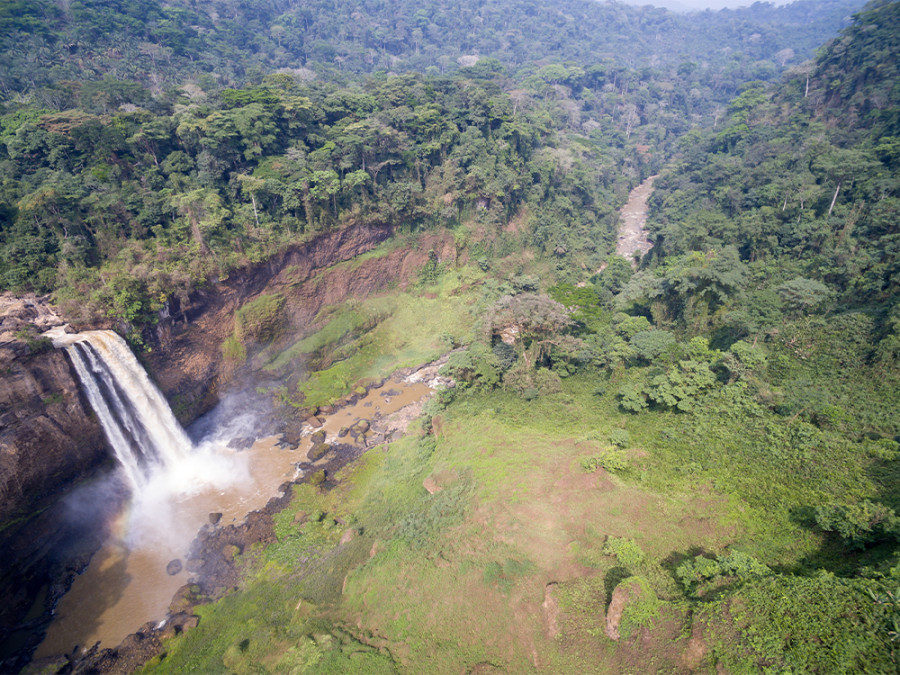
(633, 397)
(619, 438)
(532, 382)
(859, 524)
(627, 552)
(36, 343)
(611, 460)
(794, 624)
(642, 608)
(736, 564)
(475, 366)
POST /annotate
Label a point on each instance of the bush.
(619, 438)
(475, 366)
(736, 564)
(36, 343)
(532, 382)
(678, 387)
(611, 460)
(627, 552)
(859, 524)
(642, 608)
(793, 624)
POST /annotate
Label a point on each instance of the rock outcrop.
(48, 433)
(49, 440)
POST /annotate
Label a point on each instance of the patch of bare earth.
(561, 512)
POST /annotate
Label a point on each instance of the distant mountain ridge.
(160, 44)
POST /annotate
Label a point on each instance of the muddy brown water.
(126, 584)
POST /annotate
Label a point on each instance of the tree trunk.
(834, 199)
(255, 214)
(307, 207)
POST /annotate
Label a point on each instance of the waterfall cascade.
(137, 420)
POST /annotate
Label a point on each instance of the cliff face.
(186, 359)
(49, 440)
(48, 434)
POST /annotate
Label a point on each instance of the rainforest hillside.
(104, 173)
(689, 467)
(47, 46)
(681, 462)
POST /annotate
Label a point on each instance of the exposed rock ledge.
(49, 438)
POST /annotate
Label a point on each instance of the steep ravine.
(50, 440)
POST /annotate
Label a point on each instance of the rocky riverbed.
(329, 439)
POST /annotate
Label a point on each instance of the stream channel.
(632, 243)
(127, 583)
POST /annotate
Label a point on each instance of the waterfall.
(135, 417)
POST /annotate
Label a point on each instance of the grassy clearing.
(516, 514)
(388, 332)
(516, 511)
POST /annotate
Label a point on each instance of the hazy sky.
(689, 5)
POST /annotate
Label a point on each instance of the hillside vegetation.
(712, 438)
(689, 464)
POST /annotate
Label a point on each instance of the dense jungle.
(650, 262)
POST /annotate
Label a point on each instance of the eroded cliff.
(48, 434)
(186, 359)
(49, 441)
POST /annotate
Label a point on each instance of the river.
(127, 585)
(632, 219)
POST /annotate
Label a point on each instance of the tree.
(843, 166)
(802, 295)
(532, 323)
(204, 210)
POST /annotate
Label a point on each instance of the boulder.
(318, 451)
(431, 485)
(241, 443)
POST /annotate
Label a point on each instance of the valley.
(506, 337)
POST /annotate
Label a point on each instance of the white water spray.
(158, 459)
(138, 422)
